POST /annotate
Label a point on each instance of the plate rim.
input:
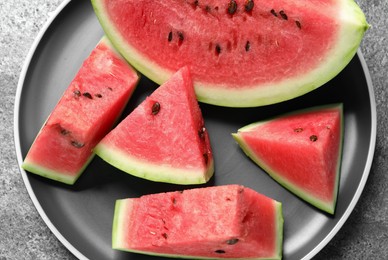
(74, 250)
(367, 167)
(19, 89)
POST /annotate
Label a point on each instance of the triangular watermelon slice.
(86, 112)
(221, 222)
(301, 150)
(164, 139)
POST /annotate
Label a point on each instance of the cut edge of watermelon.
(122, 208)
(352, 30)
(327, 207)
(120, 212)
(153, 172)
(67, 178)
(279, 229)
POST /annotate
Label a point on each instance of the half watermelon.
(164, 139)
(301, 150)
(228, 221)
(241, 53)
(85, 113)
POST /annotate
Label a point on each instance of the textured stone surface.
(24, 235)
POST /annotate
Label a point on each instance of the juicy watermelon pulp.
(85, 113)
(241, 53)
(164, 139)
(302, 151)
(217, 222)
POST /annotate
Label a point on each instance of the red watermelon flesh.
(164, 139)
(85, 113)
(241, 53)
(302, 151)
(228, 221)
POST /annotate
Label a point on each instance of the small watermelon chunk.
(229, 221)
(85, 113)
(241, 53)
(164, 139)
(300, 150)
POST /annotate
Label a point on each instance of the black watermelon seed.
(232, 241)
(98, 95)
(313, 138)
(247, 46)
(87, 94)
(155, 108)
(283, 15)
(77, 144)
(169, 38)
(273, 12)
(232, 7)
(218, 49)
(220, 251)
(298, 24)
(64, 131)
(181, 36)
(249, 5)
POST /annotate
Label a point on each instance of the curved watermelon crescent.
(72, 248)
(354, 25)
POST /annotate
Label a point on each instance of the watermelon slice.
(164, 139)
(228, 221)
(241, 52)
(85, 113)
(301, 150)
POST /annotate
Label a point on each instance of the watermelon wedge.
(241, 53)
(164, 139)
(301, 150)
(228, 221)
(85, 113)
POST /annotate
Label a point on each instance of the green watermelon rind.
(350, 35)
(120, 216)
(153, 171)
(327, 207)
(63, 177)
(279, 230)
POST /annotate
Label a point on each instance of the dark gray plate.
(81, 215)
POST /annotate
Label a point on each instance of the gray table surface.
(24, 235)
